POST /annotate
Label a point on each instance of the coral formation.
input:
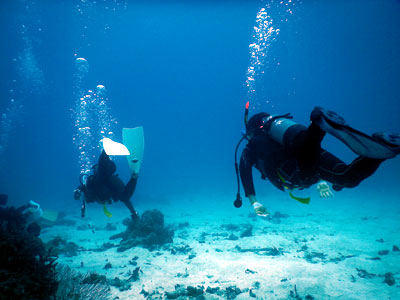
(190, 292)
(61, 246)
(73, 285)
(389, 279)
(149, 231)
(27, 269)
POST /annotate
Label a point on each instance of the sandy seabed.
(326, 250)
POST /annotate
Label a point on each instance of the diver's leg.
(133, 212)
(305, 145)
(130, 188)
(106, 166)
(360, 143)
(341, 175)
(127, 194)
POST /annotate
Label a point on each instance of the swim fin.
(134, 140)
(114, 148)
(391, 140)
(360, 143)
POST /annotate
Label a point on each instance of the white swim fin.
(114, 148)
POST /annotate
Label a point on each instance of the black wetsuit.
(300, 161)
(104, 186)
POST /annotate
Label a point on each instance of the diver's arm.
(246, 175)
(252, 199)
(78, 191)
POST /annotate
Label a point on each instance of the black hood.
(255, 122)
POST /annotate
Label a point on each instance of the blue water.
(184, 70)
(178, 68)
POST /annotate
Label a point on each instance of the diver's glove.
(324, 190)
(259, 209)
(77, 194)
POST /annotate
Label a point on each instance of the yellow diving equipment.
(300, 199)
(106, 212)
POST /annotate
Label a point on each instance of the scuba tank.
(278, 127)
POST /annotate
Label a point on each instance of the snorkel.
(246, 113)
(238, 201)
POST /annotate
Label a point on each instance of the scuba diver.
(103, 186)
(290, 156)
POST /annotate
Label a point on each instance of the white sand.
(334, 229)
